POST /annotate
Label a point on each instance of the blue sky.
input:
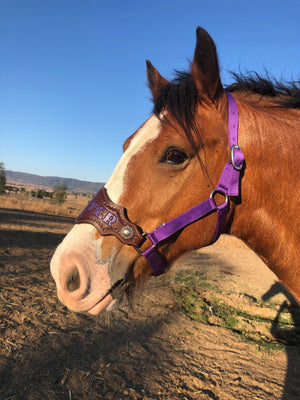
(72, 72)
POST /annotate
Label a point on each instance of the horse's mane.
(180, 96)
(283, 94)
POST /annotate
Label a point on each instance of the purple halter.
(110, 218)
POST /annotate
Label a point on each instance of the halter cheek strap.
(228, 185)
(111, 219)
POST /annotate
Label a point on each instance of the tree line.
(58, 195)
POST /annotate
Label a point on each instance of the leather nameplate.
(110, 219)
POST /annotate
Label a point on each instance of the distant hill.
(47, 182)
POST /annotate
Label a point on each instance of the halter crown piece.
(111, 219)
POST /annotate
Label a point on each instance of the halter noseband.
(111, 219)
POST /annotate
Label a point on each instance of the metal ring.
(237, 167)
(212, 195)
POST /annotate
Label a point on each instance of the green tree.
(2, 178)
(59, 193)
(42, 194)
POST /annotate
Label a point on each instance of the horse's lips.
(102, 305)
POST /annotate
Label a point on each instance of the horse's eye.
(174, 156)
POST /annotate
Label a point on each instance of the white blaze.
(81, 250)
(147, 133)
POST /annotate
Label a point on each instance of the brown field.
(72, 207)
(201, 331)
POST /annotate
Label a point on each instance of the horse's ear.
(205, 66)
(155, 80)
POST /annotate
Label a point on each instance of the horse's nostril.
(73, 280)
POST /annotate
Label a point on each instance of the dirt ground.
(153, 351)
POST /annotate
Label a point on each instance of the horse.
(209, 160)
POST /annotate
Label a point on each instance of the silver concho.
(127, 232)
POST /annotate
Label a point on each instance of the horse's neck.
(268, 217)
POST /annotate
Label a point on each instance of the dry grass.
(72, 207)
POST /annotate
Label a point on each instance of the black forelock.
(180, 98)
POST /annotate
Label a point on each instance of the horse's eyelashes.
(174, 156)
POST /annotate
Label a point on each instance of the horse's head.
(169, 165)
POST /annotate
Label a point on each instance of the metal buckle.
(144, 235)
(237, 167)
(212, 195)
